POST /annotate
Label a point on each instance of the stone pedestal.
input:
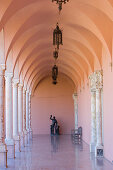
(99, 151)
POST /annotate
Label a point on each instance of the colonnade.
(15, 116)
(96, 86)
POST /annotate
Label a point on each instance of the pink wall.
(108, 107)
(56, 100)
(84, 116)
(84, 99)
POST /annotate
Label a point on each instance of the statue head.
(53, 117)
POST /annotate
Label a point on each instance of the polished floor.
(56, 153)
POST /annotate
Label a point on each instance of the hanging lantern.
(54, 82)
(57, 36)
(60, 2)
(55, 54)
(54, 74)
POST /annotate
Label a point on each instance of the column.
(75, 110)
(93, 121)
(3, 147)
(24, 116)
(99, 85)
(99, 145)
(9, 115)
(27, 113)
(30, 128)
(20, 114)
(15, 115)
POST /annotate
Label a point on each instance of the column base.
(30, 134)
(99, 151)
(17, 143)
(22, 144)
(11, 148)
(25, 138)
(3, 155)
(92, 147)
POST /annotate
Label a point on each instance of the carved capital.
(96, 80)
(75, 96)
(99, 79)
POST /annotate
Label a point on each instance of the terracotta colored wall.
(84, 116)
(56, 100)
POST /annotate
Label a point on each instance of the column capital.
(8, 75)
(24, 90)
(96, 80)
(74, 96)
(20, 86)
(15, 82)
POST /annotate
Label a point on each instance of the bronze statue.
(54, 126)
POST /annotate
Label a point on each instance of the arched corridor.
(67, 73)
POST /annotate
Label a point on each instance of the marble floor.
(56, 153)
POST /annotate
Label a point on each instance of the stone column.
(99, 86)
(30, 128)
(20, 114)
(93, 112)
(93, 121)
(24, 116)
(99, 145)
(9, 115)
(27, 113)
(15, 115)
(75, 110)
(3, 147)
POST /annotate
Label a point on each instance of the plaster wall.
(107, 107)
(84, 116)
(56, 100)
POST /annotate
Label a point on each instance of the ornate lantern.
(55, 54)
(57, 36)
(54, 74)
(60, 2)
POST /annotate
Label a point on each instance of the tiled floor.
(56, 153)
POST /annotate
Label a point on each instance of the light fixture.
(60, 2)
(55, 54)
(54, 74)
(57, 36)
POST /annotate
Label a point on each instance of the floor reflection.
(54, 143)
(57, 153)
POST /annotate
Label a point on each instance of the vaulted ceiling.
(27, 28)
